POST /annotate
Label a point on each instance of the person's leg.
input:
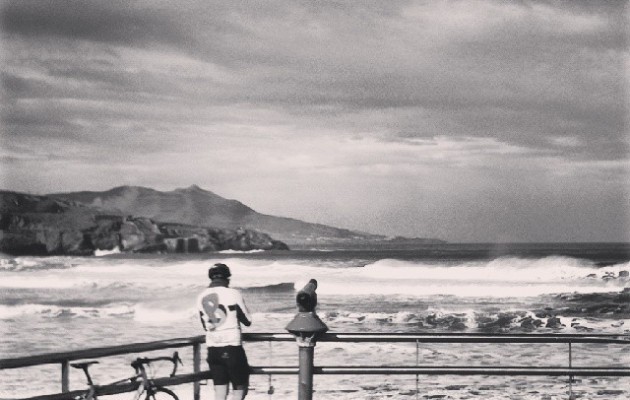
(220, 377)
(239, 394)
(238, 368)
(220, 392)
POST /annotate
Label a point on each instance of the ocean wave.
(499, 321)
(101, 253)
(474, 319)
(501, 277)
(463, 289)
(35, 264)
(554, 268)
(142, 313)
(58, 311)
(274, 288)
(44, 281)
(240, 251)
(159, 316)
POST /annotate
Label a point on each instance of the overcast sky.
(464, 120)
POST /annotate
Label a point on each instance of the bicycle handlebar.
(139, 362)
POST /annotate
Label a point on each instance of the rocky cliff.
(41, 225)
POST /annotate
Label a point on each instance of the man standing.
(222, 311)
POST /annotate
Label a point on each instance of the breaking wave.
(496, 321)
(240, 251)
(501, 277)
(101, 253)
(55, 311)
(138, 312)
(35, 264)
(500, 269)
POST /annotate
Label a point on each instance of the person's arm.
(203, 322)
(244, 317)
(201, 313)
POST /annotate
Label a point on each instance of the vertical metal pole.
(417, 362)
(65, 376)
(571, 396)
(271, 390)
(196, 369)
(305, 384)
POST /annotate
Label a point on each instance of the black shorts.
(229, 364)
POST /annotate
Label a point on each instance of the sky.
(468, 121)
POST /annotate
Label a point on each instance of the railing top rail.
(58, 357)
(97, 352)
(447, 370)
(474, 338)
(448, 336)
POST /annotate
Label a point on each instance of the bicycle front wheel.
(160, 393)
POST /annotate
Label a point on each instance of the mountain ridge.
(197, 206)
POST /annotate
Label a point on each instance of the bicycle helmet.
(219, 271)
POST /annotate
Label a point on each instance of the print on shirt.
(215, 311)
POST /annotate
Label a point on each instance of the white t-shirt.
(222, 310)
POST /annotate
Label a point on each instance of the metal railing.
(64, 358)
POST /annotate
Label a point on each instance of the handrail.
(97, 352)
(447, 370)
(474, 338)
(57, 357)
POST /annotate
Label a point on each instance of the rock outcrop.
(594, 304)
(190, 239)
(40, 225)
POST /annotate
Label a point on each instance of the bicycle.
(148, 387)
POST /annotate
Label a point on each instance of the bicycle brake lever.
(177, 359)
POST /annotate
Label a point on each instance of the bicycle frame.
(146, 385)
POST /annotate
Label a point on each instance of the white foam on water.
(502, 269)
(156, 316)
(164, 274)
(240, 251)
(43, 281)
(54, 311)
(503, 277)
(101, 253)
(460, 289)
(158, 281)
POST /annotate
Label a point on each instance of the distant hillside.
(44, 225)
(196, 206)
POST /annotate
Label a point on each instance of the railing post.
(417, 363)
(306, 364)
(571, 394)
(65, 376)
(306, 326)
(197, 369)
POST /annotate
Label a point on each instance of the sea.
(62, 303)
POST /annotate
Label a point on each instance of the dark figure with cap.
(222, 311)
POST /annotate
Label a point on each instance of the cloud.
(348, 96)
(111, 22)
